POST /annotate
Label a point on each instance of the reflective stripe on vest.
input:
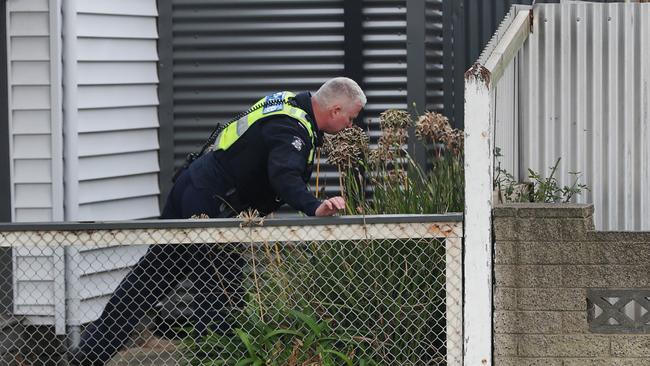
(233, 131)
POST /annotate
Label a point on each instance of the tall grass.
(387, 180)
(337, 303)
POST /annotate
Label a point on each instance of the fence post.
(480, 116)
(416, 73)
(454, 300)
(477, 307)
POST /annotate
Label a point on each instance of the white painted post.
(70, 112)
(477, 307)
(454, 300)
(480, 115)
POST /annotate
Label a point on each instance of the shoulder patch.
(277, 97)
(297, 143)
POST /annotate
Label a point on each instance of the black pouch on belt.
(230, 205)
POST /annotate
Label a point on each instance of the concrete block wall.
(547, 256)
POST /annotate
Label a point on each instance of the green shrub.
(537, 188)
(337, 303)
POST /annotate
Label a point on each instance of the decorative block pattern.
(619, 311)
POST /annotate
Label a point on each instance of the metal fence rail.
(383, 290)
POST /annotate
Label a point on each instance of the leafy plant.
(302, 341)
(336, 303)
(548, 189)
(538, 189)
(508, 188)
(389, 294)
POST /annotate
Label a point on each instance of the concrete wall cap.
(543, 210)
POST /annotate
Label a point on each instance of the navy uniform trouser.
(214, 270)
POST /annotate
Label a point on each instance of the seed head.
(431, 126)
(394, 119)
(347, 148)
(434, 127)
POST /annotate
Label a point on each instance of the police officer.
(260, 161)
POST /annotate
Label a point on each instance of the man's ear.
(336, 109)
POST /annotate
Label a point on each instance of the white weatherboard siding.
(34, 70)
(117, 146)
(117, 103)
(99, 65)
(35, 116)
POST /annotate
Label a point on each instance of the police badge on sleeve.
(273, 103)
(297, 143)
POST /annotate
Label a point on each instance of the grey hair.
(340, 88)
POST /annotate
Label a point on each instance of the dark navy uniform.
(268, 165)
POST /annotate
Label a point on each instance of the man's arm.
(289, 145)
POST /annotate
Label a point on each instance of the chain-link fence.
(382, 290)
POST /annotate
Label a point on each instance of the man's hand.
(330, 206)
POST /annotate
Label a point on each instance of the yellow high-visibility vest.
(235, 130)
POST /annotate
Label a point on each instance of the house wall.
(115, 132)
(34, 113)
(35, 145)
(82, 82)
(114, 110)
(553, 276)
(117, 110)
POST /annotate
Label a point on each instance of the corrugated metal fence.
(468, 26)
(224, 55)
(579, 90)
